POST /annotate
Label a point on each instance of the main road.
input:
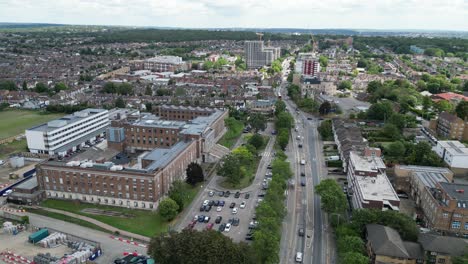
(303, 205)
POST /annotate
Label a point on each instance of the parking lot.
(213, 193)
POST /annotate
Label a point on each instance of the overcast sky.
(369, 14)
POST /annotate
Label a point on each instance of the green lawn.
(143, 222)
(146, 223)
(68, 219)
(13, 147)
(234, 131)
(15, 122)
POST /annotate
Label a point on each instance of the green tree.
(180, 91)
(229, 168)
(119, 103)
(444, 106)
(24, 86)
(284, 120)
(177, 192)
(463, 259)
(323, 61)
(168, 209)
(355, 258)
(325, 130)
(280, 107)
(60, 87)
(426, 103)
(257, 141)
(283, 138)
(257, 122)
(462, 110)
(391, 131)
(197, 247)
(194, 173)
(396, 149)
(243, 154)
(373, 86)
(332, 197)
(8, 85)
(149, 106)
(350, 244)
(380, 111)
(41, 88)
(148, 90)
(325, 108)
(345, 85)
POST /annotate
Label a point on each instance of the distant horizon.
(392, 15)
(416, 30)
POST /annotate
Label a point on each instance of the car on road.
(208, 208)
(202, 208)
(235, 221)
(207, 219)
(221, 193)
(261, 194)
(249, 237)
(237, 195)
(232, 205)
(345, 190)
(309, 118)
(227, 193)
(218, 219)
(303, 182)
(216, 203)
(227, 228)
(195, 218)
(211, 203)
(300, 145)
(206, 202)
(253, 224)
(303, 162)
(219, 208)
(298, 137)
(209, 226)
(234, 210)
(301, 232)
(242, 205)
(303, 174)
(221, 203)
(201, 218)
(269, 166)
(299, 257)
(221, 227)
(210, 194)
(247, 196)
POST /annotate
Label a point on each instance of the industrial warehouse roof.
(66, 120)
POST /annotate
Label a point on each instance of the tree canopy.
(332, 197)
(195, 247)
(168, 209)
(194, 173)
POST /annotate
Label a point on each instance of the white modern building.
(368, 184)
(60, 136)
(453, 152)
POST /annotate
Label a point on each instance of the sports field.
(14, 122)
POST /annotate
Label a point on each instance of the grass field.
(68, 219)
(13, 147)
(14, 122)
(142, 222)
(234, 131)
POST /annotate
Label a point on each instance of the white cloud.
(378, 14)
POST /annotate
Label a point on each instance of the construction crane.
(312, 42)
(260, 35)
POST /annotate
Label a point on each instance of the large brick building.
(450, 126)
(106, 183)
(164, 148)
(446, 208)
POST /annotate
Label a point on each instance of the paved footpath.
(99, 223)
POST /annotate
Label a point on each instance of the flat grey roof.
(66, 120)
(161, 157)
(428, 175)
(27, 185)
(456, 190)
(80, 140)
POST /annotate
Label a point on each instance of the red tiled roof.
(450, 96)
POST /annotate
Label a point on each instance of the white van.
(303, 162)
(299, 257)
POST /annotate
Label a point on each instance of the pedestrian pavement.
(98, 223)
